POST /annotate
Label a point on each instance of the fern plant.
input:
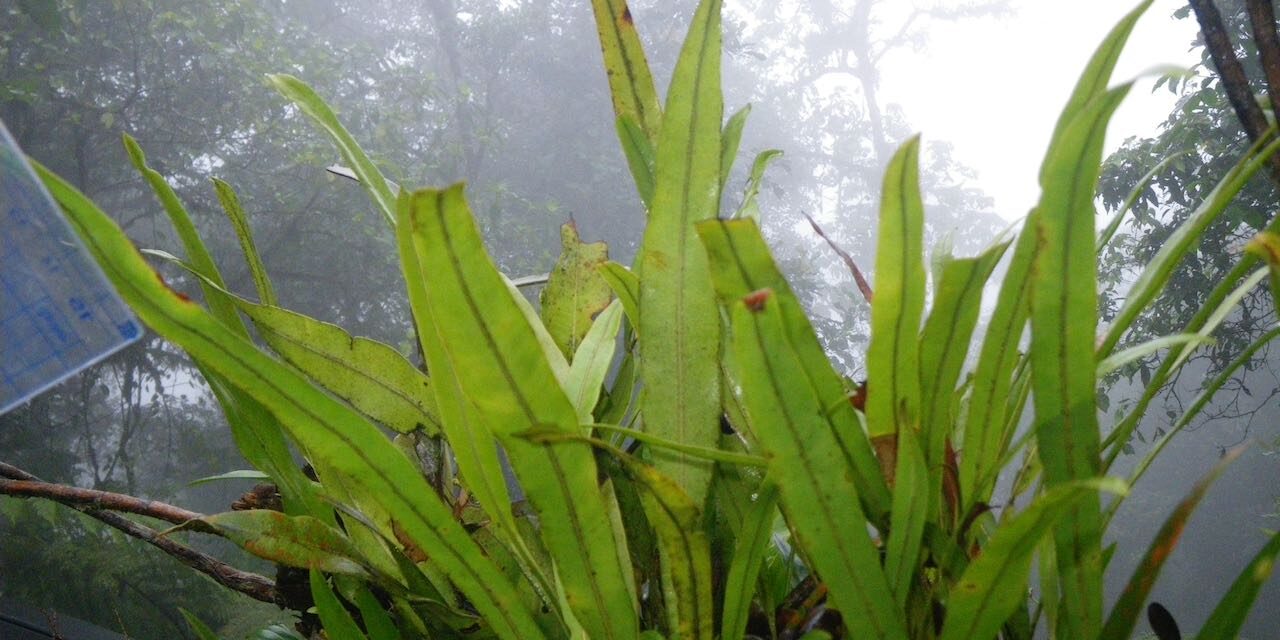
(725, 481)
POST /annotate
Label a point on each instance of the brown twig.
(250, 584)
(95, 499)
(1234, 80)
(863, 285)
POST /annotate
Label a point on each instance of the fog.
(511, 98)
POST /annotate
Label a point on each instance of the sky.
(1000, 123)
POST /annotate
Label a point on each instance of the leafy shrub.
(656, 419)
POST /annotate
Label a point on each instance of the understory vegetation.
(664, 449)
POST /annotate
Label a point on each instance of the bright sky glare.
(999, 122)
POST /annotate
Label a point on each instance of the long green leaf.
(679, 328)
(741, 264)
(202, 630)
(1105, 236)
(893, 360)
(373, 377)
(255, 431)
(682, 540)
(1140, 351)
(1160, 269)
(685, 552)
(911, 496)
(473, 444)
(750, 207)
(984, 426)
(337, 621)
(944, 344)
(294, 541)
(1229, 615)
(730, 138)
(1207, 391)
(198, 254)
(478, 330)
(626, 286)
(1124, 614)
(239, 474)
(1097, 75)
(821, 504)
(994, 584)
(630, 81)
(591, 361)
(1216, 304)
(991, 386)
(344, 447)
(1063, 322)
(315, 107)
(240, 222)
(640, 154)
(748, 554)
(376, 621)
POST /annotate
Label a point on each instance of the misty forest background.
(510, 96)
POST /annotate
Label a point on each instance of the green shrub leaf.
(944, 344)
(626, 286)
(294, 541)
(344, 447)
(256, 432)
(505, 374)
(630, 81)
(366, 171)
(753, 536)
(994, 584)
(893, 360)
(575, 293)
(741, 264)
(202, 630)
(911, 500)
(679, 327)
(1063, 323)
(337, 621)
(750, 207)
(240, 222)
(373, 377)
(592, 360)
(820, 502)
(730, 138)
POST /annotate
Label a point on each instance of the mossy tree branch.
(101, 505)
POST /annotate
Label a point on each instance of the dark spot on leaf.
(626, 16)
(756, 299)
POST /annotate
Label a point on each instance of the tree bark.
(1231, 72)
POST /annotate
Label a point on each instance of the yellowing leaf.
(575, 293)
(294, 541)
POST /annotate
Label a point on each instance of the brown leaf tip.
(756, 299)
(178, 294)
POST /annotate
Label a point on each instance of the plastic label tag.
(58, 313)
